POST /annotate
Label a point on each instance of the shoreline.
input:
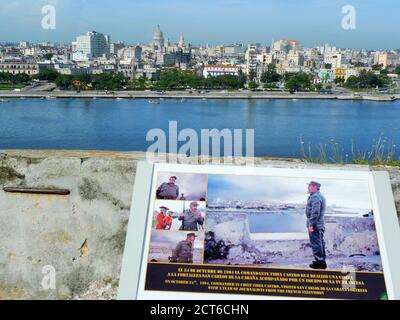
(195, 95)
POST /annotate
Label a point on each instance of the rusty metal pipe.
(62, 192)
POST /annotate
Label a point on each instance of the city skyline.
(312, 22)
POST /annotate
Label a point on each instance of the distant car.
(17, 90)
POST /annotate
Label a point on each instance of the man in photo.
(315, 211)
(184, 250)
(168, 190)
(161, 218)
(168, 220)
(191, 218)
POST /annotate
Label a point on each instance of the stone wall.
(82, 234)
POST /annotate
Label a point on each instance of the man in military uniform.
(168, 190)
(315, 211)
(184, 250)
(191, 218)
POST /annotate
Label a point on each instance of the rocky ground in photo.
(351, 243)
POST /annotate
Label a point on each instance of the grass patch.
(11, 86)
(381, 152)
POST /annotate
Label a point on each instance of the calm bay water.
(279, 221)
(123, 124)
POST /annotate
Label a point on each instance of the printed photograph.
(176, 247)
(181, 186)
(291, 222)
(179, 215)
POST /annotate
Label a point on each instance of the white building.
(94, 43)
(220, 70)
(251, 58)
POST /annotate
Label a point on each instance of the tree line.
(174, 79)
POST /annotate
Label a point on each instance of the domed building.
(158, 39)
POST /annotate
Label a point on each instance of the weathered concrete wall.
(82, 235)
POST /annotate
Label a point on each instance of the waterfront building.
(18, 67)
(326, 75)
(251, 58)
(220, 70)
(351, 72)
(339, 74)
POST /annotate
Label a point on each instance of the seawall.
(81, 234)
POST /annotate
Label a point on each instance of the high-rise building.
(386, 59)
(94, 43)
(251, 58)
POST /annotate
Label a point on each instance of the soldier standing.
(184, 250)
(315, 210)
(191, 217)
(168, 190)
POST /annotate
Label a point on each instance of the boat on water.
(295, 99)
(51, 97)
(4, 100)
(119, 98)
(154, 101)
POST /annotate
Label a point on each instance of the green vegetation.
(368, 79)
(47, 74)
(10, 86)
(9, 81)
(170, 79)
(253, 85)
(173, 79)
(252, 75)
(103, 81)
(297, 81)
(270, 77)
(382, 152)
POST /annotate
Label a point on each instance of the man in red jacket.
(161, 218)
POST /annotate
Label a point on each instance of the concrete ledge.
(82, 235)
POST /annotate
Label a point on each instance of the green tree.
(253, 85)
(367, 79)
(270, 75)
(21, 78)
(252, 75)
(298, 82)
(48, 74)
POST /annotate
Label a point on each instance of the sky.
(207, 21)
(352, 194)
